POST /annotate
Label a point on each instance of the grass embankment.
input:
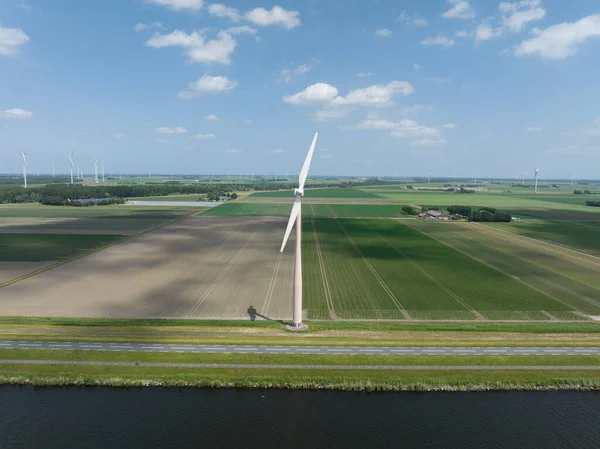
(314, 326)
(360, 380)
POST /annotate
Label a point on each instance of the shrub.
(459, 210)
(409, 210)
(593, 203)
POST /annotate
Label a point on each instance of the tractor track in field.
(385, 287)
(221, 275)
(324, 278)
(272, 283)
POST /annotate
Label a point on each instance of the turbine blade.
(304, 172)
(293, 216)
(73, 153)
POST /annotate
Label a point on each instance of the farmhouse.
(434, 215)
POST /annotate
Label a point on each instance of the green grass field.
(319, 193)
(40, 211)
(384, 269)
(308, 210)
(48, 247)
(583, 236)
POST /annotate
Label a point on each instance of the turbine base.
(301, 328)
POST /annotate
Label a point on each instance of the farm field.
(198, 267)
(48, 247)
(581, 235)
(117, 211)
(385, 269)
(308, 210)
(318, 193)
(570, 277)
(13, 270)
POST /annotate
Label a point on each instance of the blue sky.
(392, 86)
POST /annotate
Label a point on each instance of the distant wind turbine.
(296, 217)
(429, 178)
(96, 171)
(524, 178)
(24, 156)
(535, 174)
(70, 158)
(53, 171)
(102, 164)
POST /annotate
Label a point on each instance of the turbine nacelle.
(299, 192)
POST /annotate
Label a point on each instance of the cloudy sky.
(393, 86)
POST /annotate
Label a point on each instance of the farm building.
(434, 215)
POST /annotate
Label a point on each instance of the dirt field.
(12, 270)
(33, 225)
(199, 267)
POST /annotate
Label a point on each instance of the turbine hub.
(298, 192)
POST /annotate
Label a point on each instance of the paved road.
(312, 367)
(252, 349)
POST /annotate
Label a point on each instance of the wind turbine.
(535, 174)
(53, 171)
(102, 164)
(524, 178)
(71, 164)
(429, 178)
(296, 216)
(96, 171)
(475, 177)
(23, 155)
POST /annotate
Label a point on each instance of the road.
(311, 367)
(264, 349)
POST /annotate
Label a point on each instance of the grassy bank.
(301, 379)
(318, 326)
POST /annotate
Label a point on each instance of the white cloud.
(180, 5)
(516, 15)
(118, 135)
(233, 150)
(288, 74)
(220, 10)
(24, 6)
(329, 113)
(428, 142)
(561, 40)
(16, 113)
(449, 126)
(460, 10)
(167, 130)
(377, 95)
(145, 26)
(439, 40)
(532, 129)
(275, 16)
(403, 128)
(463, 33)
(212, 118)
(277, 151)
(203, 136)
(247, 122)
(383, 33)
(320, 93)
(6, 128)
(363, 74)
(325, 156)
(484, 31)
(198, 49)
(208, 85)
(416, 67)
(406, 19)
(11, 39)
(243, 29)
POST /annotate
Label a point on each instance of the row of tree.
(489, 214)
(593, 203)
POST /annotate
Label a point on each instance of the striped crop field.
(308, 210)
(383, 269)
(319, 193)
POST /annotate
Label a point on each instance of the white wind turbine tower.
(71, 164)
(524, 178)
(296, 216)
(96, 171)
(535, 174)
(23, 155)
(102, 164)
